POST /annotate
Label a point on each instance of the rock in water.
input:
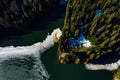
(101, 19)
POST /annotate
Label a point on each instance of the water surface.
(28, 68)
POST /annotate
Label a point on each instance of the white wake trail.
(34, 51)
(109, 67)
(21, 51)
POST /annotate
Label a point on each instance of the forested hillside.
(17, 15)
(101, 21)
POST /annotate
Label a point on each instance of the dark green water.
(21, 69)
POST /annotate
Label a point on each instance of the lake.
(22, 69)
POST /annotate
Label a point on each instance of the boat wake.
(34, 50)
(109, 67)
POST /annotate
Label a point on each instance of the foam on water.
(34, 50)
(21, 51)
(110, 67)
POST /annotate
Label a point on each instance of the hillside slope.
(17, 15)
(101, 22)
